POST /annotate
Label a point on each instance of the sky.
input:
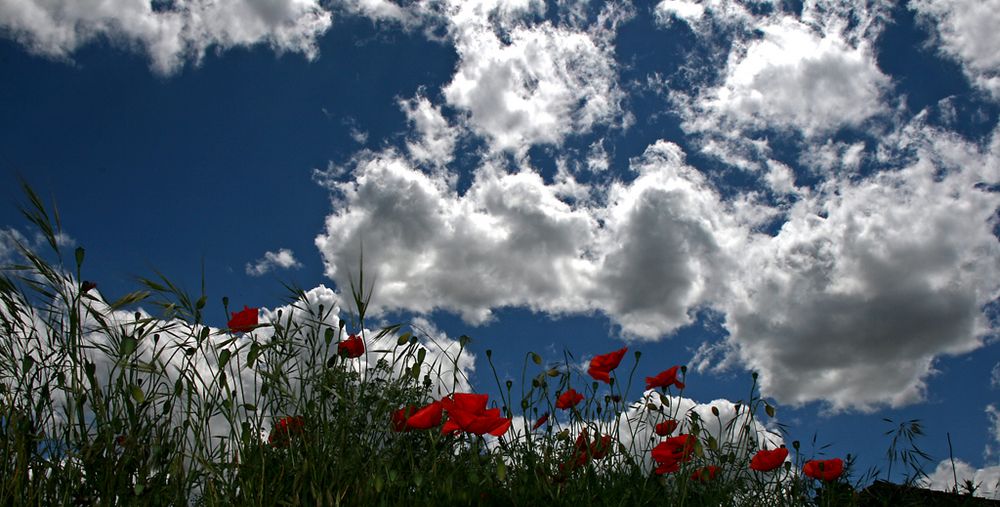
(804, 189)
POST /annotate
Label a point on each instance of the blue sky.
(803, 189)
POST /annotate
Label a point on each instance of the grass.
(101, 404)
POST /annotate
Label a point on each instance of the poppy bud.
(489, 353)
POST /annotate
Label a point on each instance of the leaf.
(26, 363)
(128, 346)
(252, 355)
(224, 357)
(130, 298)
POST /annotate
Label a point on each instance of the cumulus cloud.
(170, 33)
(995, 376)
(795, 78)
(642, 252)
(282, 259)
(967, 32)
(888, 269)
(869, 280)
(985, 480)
(160, 343)
(521, 84)
(734, 428)
(758, 73)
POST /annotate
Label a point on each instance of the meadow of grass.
(104, 404)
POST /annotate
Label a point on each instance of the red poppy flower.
(584, 450)
(569, 399)
(467, 412)
(672, 451)
(353, 346)
(243, 321)
(284, 429)
(541, 420)
(826, 470)
(765, 461)
(601, 366)
(601, 447)
(87, 286)
(665, 378)
(705, 474)
(668, 467)
(666, 427)
(412, 418)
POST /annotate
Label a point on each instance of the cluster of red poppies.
(585, 450)
(673, 451)
(467, 413)
(285, 429)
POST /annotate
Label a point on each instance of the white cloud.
(986, 480)
(379, 10)
(9, 238)
(435, 139)
(170, 33)
(597, 157)
(995, 376)
(685, 10)
(869, 280)
(993, 414)
(160, 343)
(795, 78)
(640, 252)
(521, 84)
(694, 12)
(733, 429)
(282, 259)
(967, 32)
